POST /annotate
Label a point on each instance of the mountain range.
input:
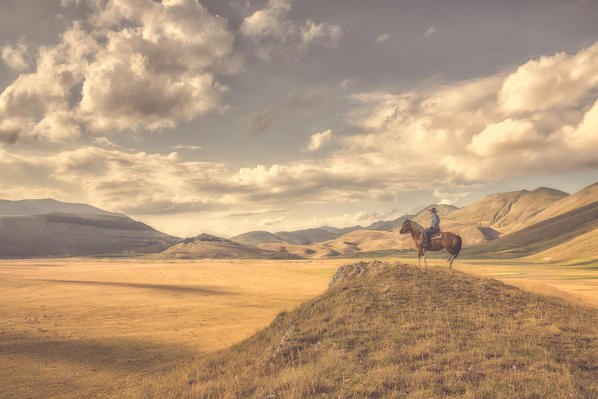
(510, 224)
(544, 223)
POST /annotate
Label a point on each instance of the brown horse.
(445, 240)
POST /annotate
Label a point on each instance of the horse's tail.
(458, 246)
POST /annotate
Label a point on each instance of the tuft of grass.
(408, 332)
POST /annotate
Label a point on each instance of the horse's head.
(406, 227)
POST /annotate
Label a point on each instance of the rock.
(357, 270)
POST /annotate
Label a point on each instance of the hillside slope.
(385, 331)
(296, 237)
(69, 234)
(507, 211)
(542, 235)
(583, 197)
(350, 243)
(255, 238)
(212, 247)
(307, 236)
(582, 246)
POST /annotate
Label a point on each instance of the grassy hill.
(507, 211)
(306, 236)
(353, 242)
(47, 205)
(583, 246)
(366, 241)
(384, 331)
(70, 234)
(212, 247)
(297, 237)
(543, 235)
(255, 238)
(586, 196)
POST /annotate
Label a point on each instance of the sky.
(229, 116)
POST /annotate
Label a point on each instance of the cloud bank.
(540, 118)
(133, 64)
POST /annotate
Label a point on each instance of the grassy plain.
(73, 328)
(398, 331)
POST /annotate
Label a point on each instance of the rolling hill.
(585, 196)
(212, 247)
(543, 235)
(307, 236)
(71, 234)
(383, 331)
(497, 223)
(326, 233)
(581, 248)
(364, 240)
(350, 243)
(297, 237)
(255, 238)
(47, 205)
(507, 211)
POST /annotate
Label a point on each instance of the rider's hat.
(433, 210)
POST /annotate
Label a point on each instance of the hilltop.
(30, 207)
(209, 246)
(508, 211)
(543, 235)
(583, 197)
(392, 331)
(564, 230)
(73, 234)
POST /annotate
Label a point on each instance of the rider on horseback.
(433, 229)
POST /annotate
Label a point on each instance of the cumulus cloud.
(531, 120)
(271, 26)
(16, 56)
(318, 140)
(449, 198)
(132, 64)
(260, 122)
(382, 38)
(134, 182)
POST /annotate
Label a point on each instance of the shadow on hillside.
(199, 290)
(115, 353)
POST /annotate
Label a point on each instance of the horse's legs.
(451, 258)
(425, 261)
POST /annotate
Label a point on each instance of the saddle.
(435, 236)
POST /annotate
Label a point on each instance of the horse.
(445, 240)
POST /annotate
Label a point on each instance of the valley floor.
(74, 328)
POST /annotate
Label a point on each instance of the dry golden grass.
(138, 328)
(409, 332)
(584, 245)
(72, 328)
